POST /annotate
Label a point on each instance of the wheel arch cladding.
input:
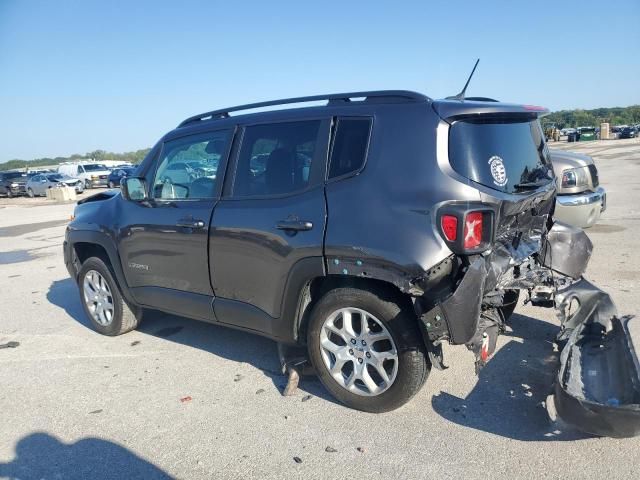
(316, 288)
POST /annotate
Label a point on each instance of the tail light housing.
(466, 228)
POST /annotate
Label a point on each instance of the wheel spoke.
(347, 322)
(98, 298)
(368, 381)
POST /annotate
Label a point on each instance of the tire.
(124, 318)
(87, 184)
(407, 373)
(9, 193)
(30, 193)
(112, 185)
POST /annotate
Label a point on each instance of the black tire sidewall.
(114, 328)
(397, 320)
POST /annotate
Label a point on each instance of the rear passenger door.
(271, 216)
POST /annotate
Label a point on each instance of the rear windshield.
(509, 155)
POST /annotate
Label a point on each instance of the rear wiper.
(530, 185)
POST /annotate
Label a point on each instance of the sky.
(76, 76)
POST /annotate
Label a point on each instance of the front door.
(271, 216)
(164, 243)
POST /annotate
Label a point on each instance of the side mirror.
(134, 189)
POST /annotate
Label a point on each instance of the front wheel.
(30, 193)
(367, 349)
(87, 184)
(102, 301)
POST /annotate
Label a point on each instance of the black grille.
(594, 175)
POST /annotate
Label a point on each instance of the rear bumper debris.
(597, 389)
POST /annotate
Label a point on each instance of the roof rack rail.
(334, 98)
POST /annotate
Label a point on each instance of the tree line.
(593, 118)
(95, 156)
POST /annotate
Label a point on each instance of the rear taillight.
(473, 230)
(449, 224)
(466, 228)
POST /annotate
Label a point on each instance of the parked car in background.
(92, 174)
(117, 174)
(628, 132)
(13, 184)
(580, 201)
(586, 133)
(40, 183)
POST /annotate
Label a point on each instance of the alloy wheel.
(98, 298)
(358, 351)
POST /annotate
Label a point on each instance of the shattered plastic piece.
(10, 345)
(307, 397)
(330, 450)
(259, 391)
(96, 411)
(297, 459)
(361, 449)
(591, 376)
(238, 377)
(134, 343)
(185, 399)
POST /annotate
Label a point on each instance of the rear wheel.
(9, 193)
(102, 301)
(30, 193)
(367, 349)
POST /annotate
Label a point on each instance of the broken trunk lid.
(598, 385)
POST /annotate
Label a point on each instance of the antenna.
(460, 96)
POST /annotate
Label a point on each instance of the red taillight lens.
(473, 230)
(449, 224)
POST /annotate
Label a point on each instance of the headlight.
(575, 177)
(14, 185)
(94, 177)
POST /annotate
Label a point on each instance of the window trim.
(152, 172)
(334, 132)
(321, 156)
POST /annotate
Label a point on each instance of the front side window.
(188, 167)
(349, 146)
(95, 167)
(276, 159)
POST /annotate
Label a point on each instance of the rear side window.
(509, 155)
(349, 146)
(277, 159)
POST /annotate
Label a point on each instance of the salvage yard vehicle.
(13, 184)
(117, 174)
(581, 200)
(371, 230)
(628, 132)
(39, 184)
(92, 174)
(586, 133)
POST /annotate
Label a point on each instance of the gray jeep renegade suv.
(370, 229)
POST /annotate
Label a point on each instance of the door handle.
(295, 225)
(190, 223)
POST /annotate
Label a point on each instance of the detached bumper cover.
(597, 389)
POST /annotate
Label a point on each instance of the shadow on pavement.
(40, 455)
(223, 342)
(508, 399)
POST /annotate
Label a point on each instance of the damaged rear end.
(506, 245)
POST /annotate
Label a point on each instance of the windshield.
(509, 155)
(94, 167)
(55, 177)
(15, 176)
